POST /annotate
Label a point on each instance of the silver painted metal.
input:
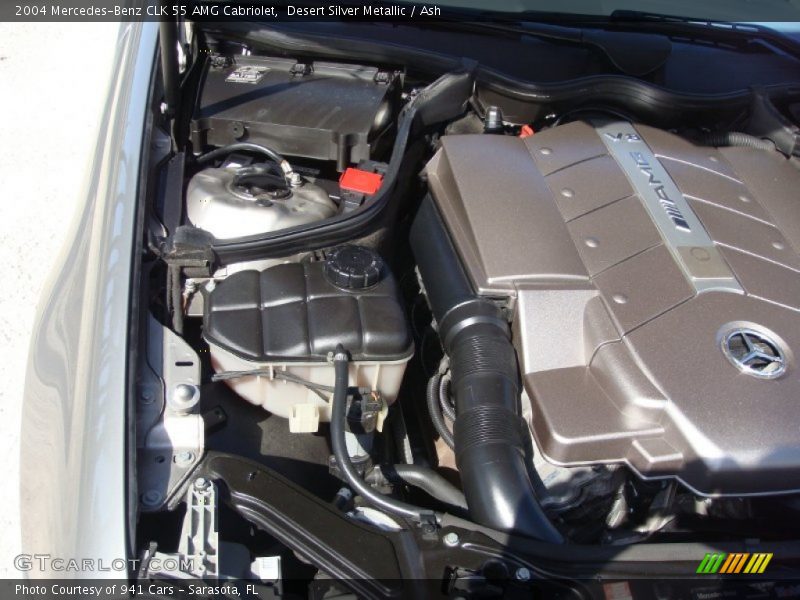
(184, 398)
(451, 539)
(172, 431)
(152, 498)
(215, 203)
(184, 458)
(754, 353)
(74, 484)
(683, 233)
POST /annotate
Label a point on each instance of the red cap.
(526, 131)
(363, 182)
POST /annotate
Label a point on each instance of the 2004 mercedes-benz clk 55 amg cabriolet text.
(503, 303)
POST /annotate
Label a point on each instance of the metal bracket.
(170, 427)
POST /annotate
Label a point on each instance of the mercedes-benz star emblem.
(754, 353)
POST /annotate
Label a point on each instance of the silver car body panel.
(74, 480)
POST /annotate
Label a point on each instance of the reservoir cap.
(353, 267)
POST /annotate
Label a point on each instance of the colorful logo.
(735, 563)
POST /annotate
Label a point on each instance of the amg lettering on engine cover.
(681, 230)
(669, 205)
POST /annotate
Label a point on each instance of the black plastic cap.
(353, 267)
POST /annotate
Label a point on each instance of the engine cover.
(655, 287)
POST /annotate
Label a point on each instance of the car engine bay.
(405, 296)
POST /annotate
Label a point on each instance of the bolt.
(185, 397)
(522, 574)
(184, 458)
(210, 285)
(295, 180)
(184, 393)
(147, 397)
(201, 483)
(450, 539)
(151, 498)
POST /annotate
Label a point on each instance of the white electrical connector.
(267, 569)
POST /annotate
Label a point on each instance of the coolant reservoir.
(284, 321)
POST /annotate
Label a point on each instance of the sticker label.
(247, 74)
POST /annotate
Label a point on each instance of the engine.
(653, 290)
(564, 324)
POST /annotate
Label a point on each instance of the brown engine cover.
(655, 287)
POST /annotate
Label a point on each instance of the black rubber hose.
(435, 411)
(736, 138)
(491, 442)
(288, 173)
(240, 147)
(176, 298)
(261, 175)
(444, 398)
(491, 435)
(428, 481)
(339, 446)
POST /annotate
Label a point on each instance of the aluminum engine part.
(655, 292)
(215, 203)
